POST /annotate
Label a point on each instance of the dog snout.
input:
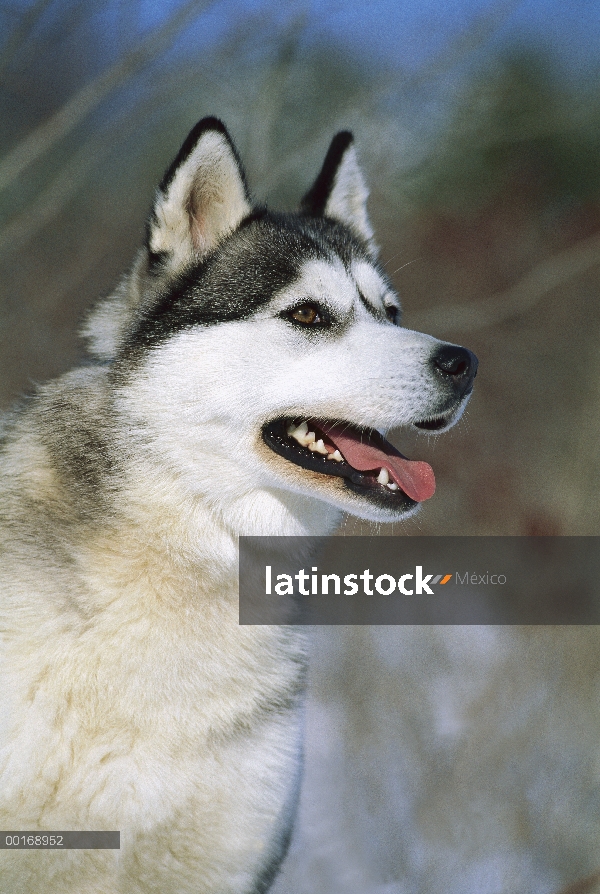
(456, 365)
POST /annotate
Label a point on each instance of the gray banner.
(420, 580)
(60, 840)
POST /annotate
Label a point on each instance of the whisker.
(402, 266)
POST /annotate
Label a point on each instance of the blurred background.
(478, 124)
(456, 760)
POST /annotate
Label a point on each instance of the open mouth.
(432, 424)
(370, 465)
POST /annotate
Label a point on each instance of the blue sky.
(413, 31)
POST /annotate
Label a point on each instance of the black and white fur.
(131, 699)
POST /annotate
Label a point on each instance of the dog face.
(264, 352)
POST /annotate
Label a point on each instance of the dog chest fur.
(131, 699)
(135, 701)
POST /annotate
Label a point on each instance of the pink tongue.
(415, 478)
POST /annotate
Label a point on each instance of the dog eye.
(307, 315)
(393, 314)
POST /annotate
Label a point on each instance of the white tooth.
(392, 485)
(337, 456)
(384, 476)
(302, 435)
(305, 440)
(297, 431)
(318, 447)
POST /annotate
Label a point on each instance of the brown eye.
(307, 314)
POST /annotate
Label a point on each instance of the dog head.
(263, 352)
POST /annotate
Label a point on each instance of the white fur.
(205, 394)
(126, 675)
(131, 699)
(372, 286)
(204, 201)
(347, 200)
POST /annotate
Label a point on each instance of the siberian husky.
(245, 373)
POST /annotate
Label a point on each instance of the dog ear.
(340, 191)
(202, 197)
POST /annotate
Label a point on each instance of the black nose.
(458, 365)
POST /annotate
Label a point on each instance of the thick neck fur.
(116, 502)
(121, 555)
